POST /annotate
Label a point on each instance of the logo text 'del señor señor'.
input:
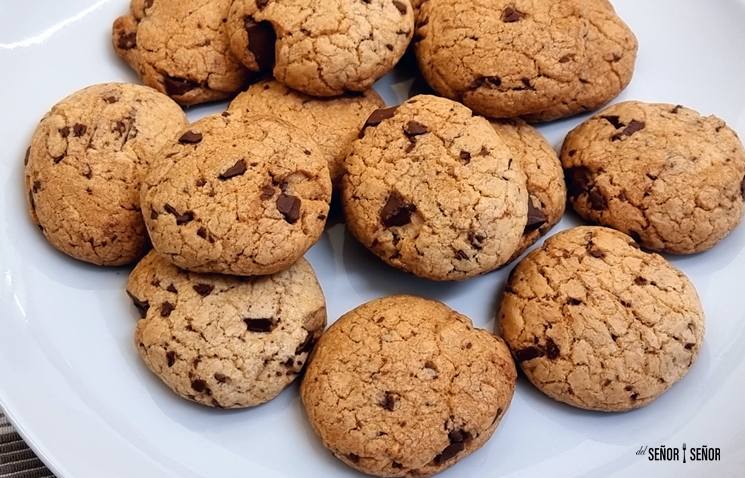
(668, 453)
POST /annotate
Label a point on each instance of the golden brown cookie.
(321, 47)
(333, 122)
(181, 48)
(664, 174)
(597, 323)
(405, 386)
(85, 165)
(433, 190)
(225, 341)
(237, 194)
(537, 60)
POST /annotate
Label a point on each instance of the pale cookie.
(665, 175)
(225, 341)
(545, 178)
(432, 189)
(333, 122)
(321, 47)
(537, 60)
(599, 324)
(237, 194)
(85, 165)
(405, 386)
(181, 48)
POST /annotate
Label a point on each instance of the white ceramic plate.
(73, 385)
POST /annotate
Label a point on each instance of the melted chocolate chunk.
(235, 170)
(260, 4)
(171, 358)
(204, 289)
(267, 192)
(414, 128)
(141, 305)
(199, 386)
(578, 181)
(154, 215)
(401, 7)
(166, 308)
(676, 109)
(261, 40)
(377, 117)
(172, 288)
(573, 301)
(640, 281)
(459, 254)
(477, 240)
(353, 458)
(460, 436)
(65, 131)
(465, 156)
(597, 200)
(148, 4)
(220, 378)
(396, 211)
(307, 344)
(178, 86)
(260, 325)
(190, 137)
(565, 59)
(597, 253)
(510, 15)
(389, 401)
(614, 120)
(632, 128)
(449, 452)
(127, 41)
(552, 350)
(528, 353)
(180, 218)
(289, 206)
(536, 218)
(396, 464)
(742, 188)
(79, 129)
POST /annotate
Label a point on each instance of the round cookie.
(85, 164)
(545, 178)
(405, 386)
(432, 189)
(237, 194)
(181, 49)
(597, 323)
(225, 341)
(333, 122)
(536, 60)
(321, 47)
(661, 173)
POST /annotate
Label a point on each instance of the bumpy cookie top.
(85, 165)
(321, 47)
(181, 48)
(545, 178)
(662, 173)
(225, 341)
(405, 386)
(333, 122)
(599, 324)
(433, 190)
(237, 194)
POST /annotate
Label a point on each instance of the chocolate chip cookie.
(536, 60)
(662, 173)
(225, 341)
(333, 122)
(181, 49)
(597, 323)
(85, 165)
(405, 386)
(237, 194)
(321, 47)
(433, 190)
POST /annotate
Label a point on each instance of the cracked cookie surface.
(667, 176)
(599, 324)
(405, 386)
(85, 164)
(237, 194)
(536, 60)
(181, 49)
(433, 190)
(321, 47)
(334, 122)
(225, 341)
(545, 178)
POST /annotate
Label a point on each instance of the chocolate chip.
(154, 215)
(528, 353)
(65, 131)
(166, 308)
(178, 86)
(459, 254)
(614, 120)
(199, 386)
(596, 252)
(307, 344)
(260, 4)
(261, 40)
(510, 15)
(389, 401)
(190, 137)
(597, 200)
(635, 236)
(578, 181)
(396, 211)
(477, 240)
(267, 192)
(377, 117)
(220, 378)
(742, 188)
(127, 41)
(493, 80)
(676, 109)
(396, 464)
(180, 218)
(142, 305)
(536, 218)
(204, 289)
(632, 128)
(552, 350)
(640, 281)
(460, 436)
(401, 7)
(414, 128)
(171, 358)
(289, 207)
(412, 144)
(79, 129)
(449, 452)
(465, 156)
(148, 4)
(119, 127)
(36, 186)
(235, 170)
(353, 458)
(28, 152)
(565, 59)
(260, 325)
(111, 99)
(573, 301)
